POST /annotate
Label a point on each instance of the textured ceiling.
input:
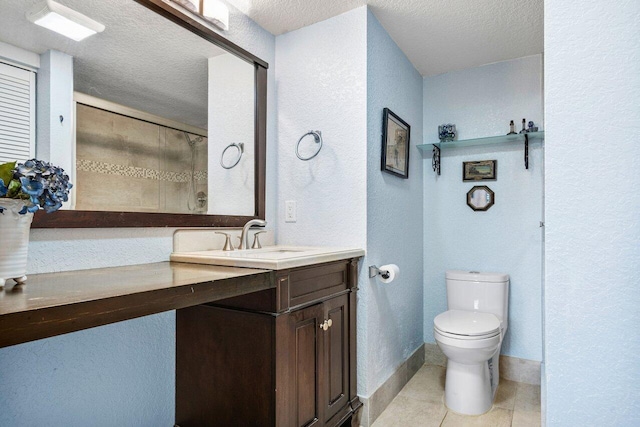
(141, 60)
(436, 35)
(146, 62)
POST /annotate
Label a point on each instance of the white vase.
(14, 235)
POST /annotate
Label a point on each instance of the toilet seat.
(467, 325)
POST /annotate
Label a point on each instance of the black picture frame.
(396, 137)
(483, 170)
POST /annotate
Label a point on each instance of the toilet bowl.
(468, 387)
(470, 335)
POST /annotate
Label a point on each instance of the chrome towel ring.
(317, 136)
(240, 147)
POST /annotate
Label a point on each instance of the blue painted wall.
(592, 278)
(506, 238)
(393, 312)
(120, 374)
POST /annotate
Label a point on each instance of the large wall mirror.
(158, 119)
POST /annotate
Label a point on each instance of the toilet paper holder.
(374, 271)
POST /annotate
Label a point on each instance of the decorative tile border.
(136, 172)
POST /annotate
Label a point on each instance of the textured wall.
(231, 116)
(506, 238)
(592, 199)
(54, 98)
(121, 374)
(323, 87)
(393, 312)
(19, 56)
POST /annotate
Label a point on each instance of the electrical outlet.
(290, 211)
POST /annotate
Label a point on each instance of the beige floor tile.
(506, 394)
(420, 403)
(426, 385)
(496, 417)
(526, 411)
(405, 411)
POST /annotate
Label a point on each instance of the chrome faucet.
(244, 237)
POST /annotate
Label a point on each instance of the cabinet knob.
(326, 324)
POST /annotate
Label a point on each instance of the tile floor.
(421, 403)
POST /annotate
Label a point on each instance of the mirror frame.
(104, 219)
(485, 188)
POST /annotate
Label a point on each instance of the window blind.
(17, 113)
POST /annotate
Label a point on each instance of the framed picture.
(395, 144)
(480, 171)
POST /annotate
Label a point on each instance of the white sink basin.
(270, 257)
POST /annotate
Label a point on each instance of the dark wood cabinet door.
(304, 329)
(335, 375)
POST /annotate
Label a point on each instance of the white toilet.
(470, 334)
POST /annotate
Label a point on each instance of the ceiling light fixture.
(63, 20)
(216, 12)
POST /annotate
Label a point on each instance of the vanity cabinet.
(280, 357)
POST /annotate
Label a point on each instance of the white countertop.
(269, 257)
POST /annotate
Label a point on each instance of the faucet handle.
(227, 243)
(256, 240)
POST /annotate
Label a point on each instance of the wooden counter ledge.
(57, 303)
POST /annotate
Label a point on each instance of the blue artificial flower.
(29, 208)
(32, 187)
(39, 184)
(51, 206)
(26, 169)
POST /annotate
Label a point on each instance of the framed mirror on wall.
(146, 119)
(480, 198)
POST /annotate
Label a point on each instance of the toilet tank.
(475, 291)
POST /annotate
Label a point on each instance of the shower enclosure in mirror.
(145, 115)
(150, 167)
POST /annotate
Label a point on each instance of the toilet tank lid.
(476, 276)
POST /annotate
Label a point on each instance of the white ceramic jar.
(14, 229)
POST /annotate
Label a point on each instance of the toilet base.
(468, 388)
